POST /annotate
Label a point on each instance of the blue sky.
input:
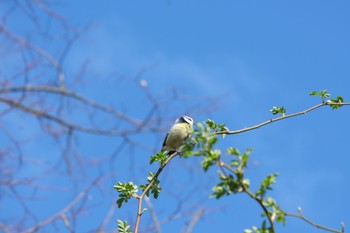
(251, 55)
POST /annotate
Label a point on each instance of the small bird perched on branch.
(177, 134)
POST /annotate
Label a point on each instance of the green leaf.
(244, 158)
(278, 110)
(200, 127)
(123, 227)
(314, 93)
(259, 230)
(339, 99)
(235, 163)
(143, 210)
(269, 202)
(323, 94)
(210, 158)
(222, 127)
(188, 147)
(246, 183)
(150, 176)
(212, 140)
(211, 123)
(227, 186)
(126, 191)
(248, 151)
(218, 191)
(281, 216)
(159, 157)
(216, 127)
(207, 162)
(120, 202)
(266, 185)
(154, 189)
(248, 231)
(232, 151)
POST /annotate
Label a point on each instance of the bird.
(177, 134)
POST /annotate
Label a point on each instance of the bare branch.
(282, 118)
(195, 218)
(36, 56)
(153, 215)
(65, 92)
(44, 115)
(62, 213)
(107, 219)
(39, 50)
(301, 216)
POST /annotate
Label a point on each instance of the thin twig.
(260, 202)
(252, 195)
(39, 50)
(281, 118)
(66, 92)
(301, 216)
(45, 115)
(195, 218)
(140, 198)
(153, 215)
(107, 219)
(62, 212)
(224, 165)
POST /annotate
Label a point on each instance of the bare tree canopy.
(62, 143)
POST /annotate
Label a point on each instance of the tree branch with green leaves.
(232, 177)
(326, 101)
(129, 190)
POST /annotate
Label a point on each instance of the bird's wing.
(166, 137)
(187, 136)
